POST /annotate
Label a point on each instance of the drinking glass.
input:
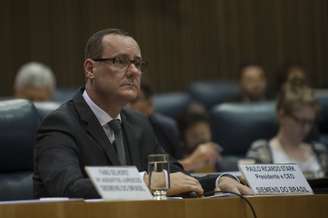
(159, 175)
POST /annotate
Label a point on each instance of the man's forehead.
(115, 43)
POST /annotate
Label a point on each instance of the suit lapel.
(132, 133)
(94, 129)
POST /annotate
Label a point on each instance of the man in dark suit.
(93, 129)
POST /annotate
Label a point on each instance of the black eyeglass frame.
(139, 63)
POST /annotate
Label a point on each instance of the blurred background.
(184, 40)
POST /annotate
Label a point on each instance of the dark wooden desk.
(232, 207)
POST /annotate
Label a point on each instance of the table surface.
(232, 207)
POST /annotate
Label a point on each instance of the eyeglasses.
(301, 121)
(123, 62)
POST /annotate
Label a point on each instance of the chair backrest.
(64, 94)
(171, 104)
(322, 96)
(44, 108)
(211, 93)
(237, 125)
(19, 121)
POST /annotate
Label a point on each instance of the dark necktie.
(115, 125)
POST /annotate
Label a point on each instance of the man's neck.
(108, 105)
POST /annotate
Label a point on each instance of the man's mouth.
(131, 85)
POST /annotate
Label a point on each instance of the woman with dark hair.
(297, 110)
(199, 152)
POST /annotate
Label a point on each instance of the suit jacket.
(71, 138)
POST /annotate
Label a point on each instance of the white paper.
(119, 183)
(275, 179)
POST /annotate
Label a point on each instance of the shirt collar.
(101, 115)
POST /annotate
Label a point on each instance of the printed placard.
(275, 179)
(119, 183)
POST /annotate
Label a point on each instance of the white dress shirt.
(103, 117)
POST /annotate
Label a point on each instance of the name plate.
(119, 183)
(275, 179)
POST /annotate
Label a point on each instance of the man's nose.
(133, 70)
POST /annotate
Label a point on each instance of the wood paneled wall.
(184, 40)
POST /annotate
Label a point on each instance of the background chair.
(211, 93)
(19, 121)
(172, 104)
(237, 125)
(63, 94)
(44, 108)
(322, 96)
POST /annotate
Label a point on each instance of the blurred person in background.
(35, 81)
(297, 110)
(253, 83)
(290, 70)
(287, 70)
(199, 153)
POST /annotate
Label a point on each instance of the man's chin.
(129, 95)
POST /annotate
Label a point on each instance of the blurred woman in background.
(297, 110)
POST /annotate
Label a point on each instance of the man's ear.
(88, 68)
